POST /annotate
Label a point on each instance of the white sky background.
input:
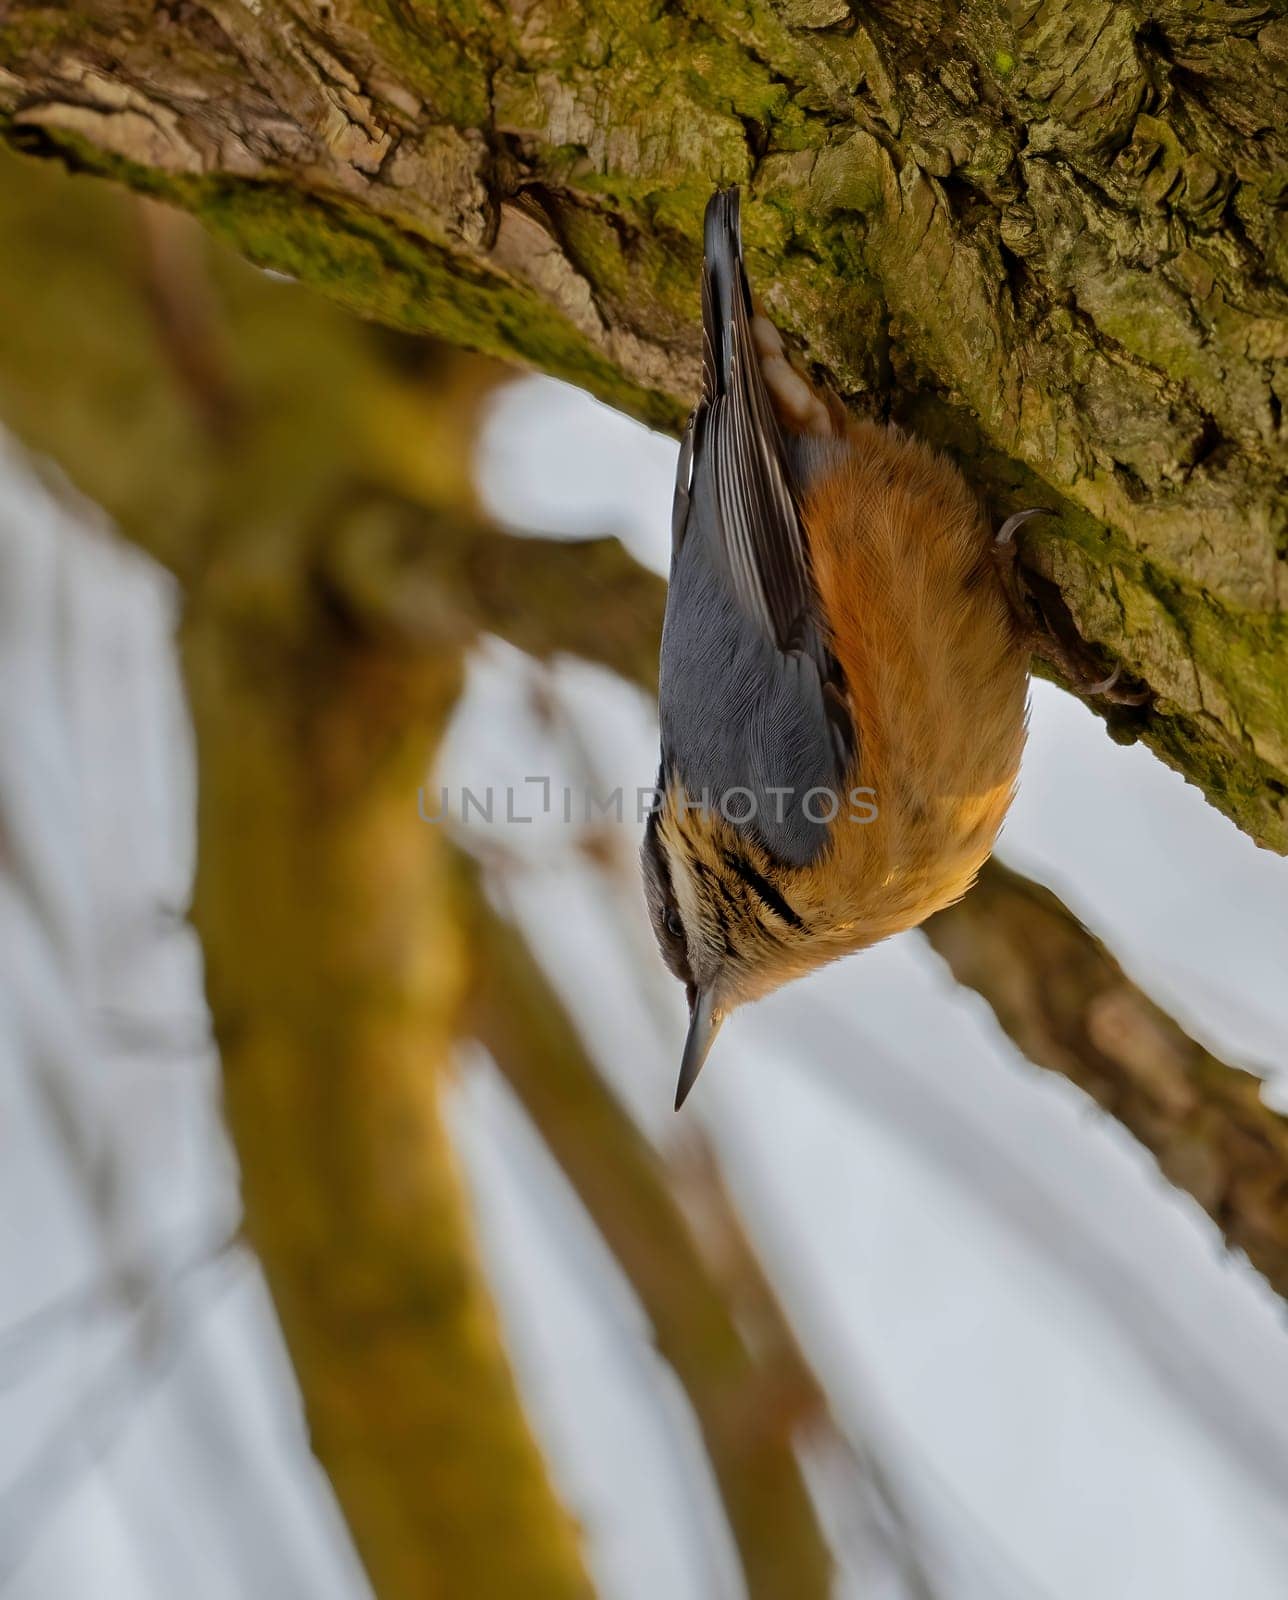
(1077, 1393)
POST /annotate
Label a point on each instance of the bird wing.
(737, 439)
(751, 696)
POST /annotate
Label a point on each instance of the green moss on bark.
(1054, 237)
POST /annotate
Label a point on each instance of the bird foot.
(800, 404)
(1046, 625)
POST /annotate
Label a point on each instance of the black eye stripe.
(762, 887)
(661, 897)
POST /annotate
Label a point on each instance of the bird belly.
(936, 671)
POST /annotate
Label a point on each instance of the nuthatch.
(843, 677)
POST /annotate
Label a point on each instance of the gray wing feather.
(760, 525)
(750, 696)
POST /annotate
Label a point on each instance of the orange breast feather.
(936, 672)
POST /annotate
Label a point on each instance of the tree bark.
(1049, 237)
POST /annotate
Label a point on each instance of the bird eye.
(673, 924)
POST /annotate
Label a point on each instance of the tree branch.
(334, 967)
(1070, 1008)
(1051, 243)
(405, 573)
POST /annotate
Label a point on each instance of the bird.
(843, 682)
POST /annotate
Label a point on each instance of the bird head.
(732, 922)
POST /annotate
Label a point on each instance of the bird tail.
(726, 297)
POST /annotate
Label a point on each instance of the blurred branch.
(125, 1286)
(881, 1530)
(165, 1319)
(334, 967)
(589, 598)
(1069, 1007)
(943, 1125)
(405, 573)
(749, 1411)
(333, 962)
(278, 430)
(125, 333)
(714, 1314)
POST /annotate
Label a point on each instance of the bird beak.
(704, 1024)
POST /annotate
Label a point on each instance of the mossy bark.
(1051, 237)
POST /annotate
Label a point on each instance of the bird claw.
(1017, 520)
(1088, 690)
(1055, 641)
